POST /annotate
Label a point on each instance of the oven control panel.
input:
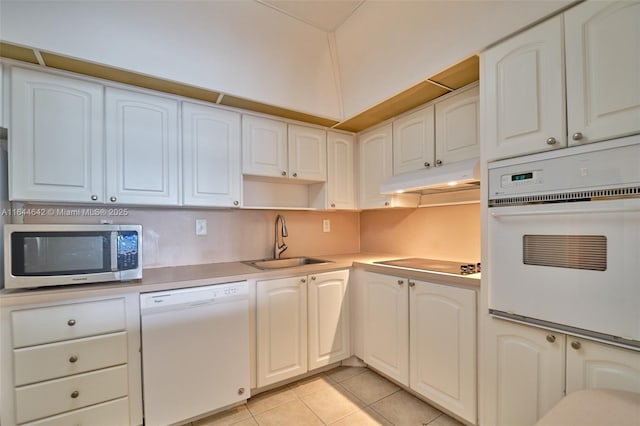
(525, 178)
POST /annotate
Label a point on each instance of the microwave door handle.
(557, 212)
(114, 251)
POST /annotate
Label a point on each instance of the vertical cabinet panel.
(340, 171)
(307, 153)
(376, 164)
(525, 373)
(386, 318)
(603, 70)
(522, 89)
(281, 329)
(56, 138)
(442, 339)
(413, 141)
(595, 365)
(211, 156)
(458, 127)
(328, 318)
(264, 147)
(142, 148)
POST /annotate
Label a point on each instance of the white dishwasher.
(195, 351)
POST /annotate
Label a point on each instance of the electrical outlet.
(201, 226)
(326, 225)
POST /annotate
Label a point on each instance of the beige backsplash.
(448, 232)
(169, 234)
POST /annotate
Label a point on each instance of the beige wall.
(169, 239)
(169, 234)
(450, 232)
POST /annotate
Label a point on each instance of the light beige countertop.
(167, 278)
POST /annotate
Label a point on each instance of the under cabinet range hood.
(446, 178)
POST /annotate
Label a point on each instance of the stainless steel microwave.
(48, 255)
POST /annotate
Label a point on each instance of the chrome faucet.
(278, 249)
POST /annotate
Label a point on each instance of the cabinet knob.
(295, 175)
(386, 204)
(71, 322)
(94, 197)
(333, 204)
(577, 136)
(235, 203)
(551, 141)
(240, 391)
(438, 162)
(427, 164)
(551, 338)
(283, 173)
(576, 345)
(73, 359)
(112, 199)
(400, 282)
(313, 278)
(75, 394)
(302, 280)
(412, 283)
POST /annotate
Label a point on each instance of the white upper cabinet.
(56, 138)
(141, 148)
(211, 156)
(413, 141)
(264, 147)
(522, 90)
(375, 165)
(458, 127)
(603, 70)
(274, 149)
(340, 171)
(307, 153)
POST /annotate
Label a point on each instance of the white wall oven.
(564, 240)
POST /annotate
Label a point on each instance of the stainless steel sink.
(284, 263)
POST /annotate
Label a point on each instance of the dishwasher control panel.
(193, 296)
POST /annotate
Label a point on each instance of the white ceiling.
(326, 15)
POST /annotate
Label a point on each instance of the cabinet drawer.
(112, 413)
(66, 358)
(65, 322)
(57, 396)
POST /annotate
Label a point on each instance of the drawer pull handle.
(73, 358)
(75, 394)
(71, 322)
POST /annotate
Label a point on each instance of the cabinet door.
(375, 166)
(264, 147)
(413, 141)
(386, 335)
(211, 156)
(458, 127)
(596, 365)
(522, 90)
(340, 171)
(281, 329)
(307, 153)
(442, 324)
(328, 306)
(56, 138)
(524, 373)
(142, 148)
(603, 70)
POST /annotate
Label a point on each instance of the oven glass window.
(566, 251)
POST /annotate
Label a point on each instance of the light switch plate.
(326, 225)
(201, 226)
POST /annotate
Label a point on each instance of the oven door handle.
(557, 212)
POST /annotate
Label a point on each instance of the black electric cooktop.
(434, 265)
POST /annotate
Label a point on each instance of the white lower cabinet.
(301, 324)
(71, 363)
(528, 369)
(442, 340)
(422, 335)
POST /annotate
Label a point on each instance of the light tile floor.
(345, 396)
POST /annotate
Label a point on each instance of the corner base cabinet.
(71, 363)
